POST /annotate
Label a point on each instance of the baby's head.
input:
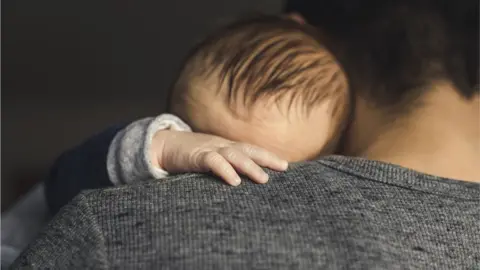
(268, 82)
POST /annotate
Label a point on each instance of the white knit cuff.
(128, 157)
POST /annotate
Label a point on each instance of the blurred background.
(73, 68)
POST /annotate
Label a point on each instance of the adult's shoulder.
(312, 185)
(193, 186)
(327, 181)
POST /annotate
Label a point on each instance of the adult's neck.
(441, 137)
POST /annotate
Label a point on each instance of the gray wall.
(71, 68)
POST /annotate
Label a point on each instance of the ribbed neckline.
(403, 177)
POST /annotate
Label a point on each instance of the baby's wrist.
(157, 148)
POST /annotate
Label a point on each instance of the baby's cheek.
(298, 151)
(310, 147)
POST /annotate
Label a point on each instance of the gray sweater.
(334, 213)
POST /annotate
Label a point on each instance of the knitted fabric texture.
(333, 213)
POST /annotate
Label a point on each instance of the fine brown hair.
(264, 57)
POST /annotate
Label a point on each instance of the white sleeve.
(128, 158)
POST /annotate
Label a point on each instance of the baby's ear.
(296, 17)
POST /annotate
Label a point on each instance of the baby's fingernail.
(284, 164)
(236, 181)
(264, 177)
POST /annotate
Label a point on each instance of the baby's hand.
(179, 152)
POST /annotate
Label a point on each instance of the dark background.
(72, 68)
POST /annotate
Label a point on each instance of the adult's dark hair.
(392, 51)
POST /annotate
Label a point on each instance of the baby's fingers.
(244, 164)
(218, 165)
(263, 157)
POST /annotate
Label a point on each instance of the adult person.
(411, 199)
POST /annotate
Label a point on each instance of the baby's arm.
(150, 147)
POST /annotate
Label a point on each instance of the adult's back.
(337, 212)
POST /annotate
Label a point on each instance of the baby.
(265, 90)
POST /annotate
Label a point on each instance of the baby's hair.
(264, 57)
